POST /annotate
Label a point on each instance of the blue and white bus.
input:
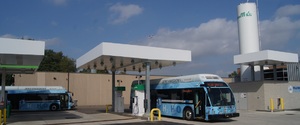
(36, 98)
(200, 96)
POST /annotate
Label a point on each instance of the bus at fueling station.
(37, 98)
(200, 96)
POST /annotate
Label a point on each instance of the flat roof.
(20, 56)
(265, 57)
(132, 57)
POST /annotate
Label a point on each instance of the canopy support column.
(3, 99)
(148, 87)
(113, 79)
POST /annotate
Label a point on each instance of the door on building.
(241, 101)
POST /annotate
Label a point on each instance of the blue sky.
(206, 27)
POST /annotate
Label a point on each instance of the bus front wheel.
(53, 107)
(188, 114)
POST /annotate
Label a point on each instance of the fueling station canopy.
(125, 57)
(265, 57)
(107, 56)
(19, 56)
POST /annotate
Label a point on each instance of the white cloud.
(209, 43)
(52, 42)
(9, 36)
(121, 13)
(288, 10)
(16, 37)
(59, 2)
(218, 36)
(275, 33)
(54, 23)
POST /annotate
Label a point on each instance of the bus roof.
(34, 89)
(192, 78)
(189, 81)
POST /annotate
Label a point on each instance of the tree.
(233, 74)
(9, 80)
(57, 62)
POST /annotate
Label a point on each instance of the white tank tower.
(253, 61)
(248, 34)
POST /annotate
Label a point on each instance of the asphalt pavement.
(96, 115)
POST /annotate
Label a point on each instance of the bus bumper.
(218, 116)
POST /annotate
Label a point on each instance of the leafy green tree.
(233, 74)
(9, 80)
(56, 62)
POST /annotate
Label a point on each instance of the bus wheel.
(53, 107)
(188, 114)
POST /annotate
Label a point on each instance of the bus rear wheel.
(188, 114)
(53, 107)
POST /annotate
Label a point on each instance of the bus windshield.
(221, 97)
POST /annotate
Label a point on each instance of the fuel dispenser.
(119, 99)
(138, 100)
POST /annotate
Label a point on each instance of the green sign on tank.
(18, 67)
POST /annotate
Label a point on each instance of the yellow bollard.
(4, 116)
(271, 105)
(152, 115)
(108, 105)
(282, 103)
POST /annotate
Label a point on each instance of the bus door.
(64, 101)
(199, 103)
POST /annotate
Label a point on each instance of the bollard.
(108, 105)
(4, 116)
(152, 115)
(0, 116)
(282, 103)
(271, 105)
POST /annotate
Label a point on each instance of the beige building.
(257, 95)
(89, 89)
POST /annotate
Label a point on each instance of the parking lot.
(97, 116)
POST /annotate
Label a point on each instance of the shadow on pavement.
(97, 109)
(23, 116)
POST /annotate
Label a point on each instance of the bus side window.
(163, 94)
(187, 95)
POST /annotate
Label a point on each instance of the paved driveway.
(97, 116)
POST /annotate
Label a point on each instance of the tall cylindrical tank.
(248, 28)
(248, 35)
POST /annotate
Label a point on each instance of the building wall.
(253, 92)
(258, 94)
(88, 89)
(280, 90)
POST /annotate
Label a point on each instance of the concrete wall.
(280, 90)
(260, 93)
(254, 94)
(88, 89)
